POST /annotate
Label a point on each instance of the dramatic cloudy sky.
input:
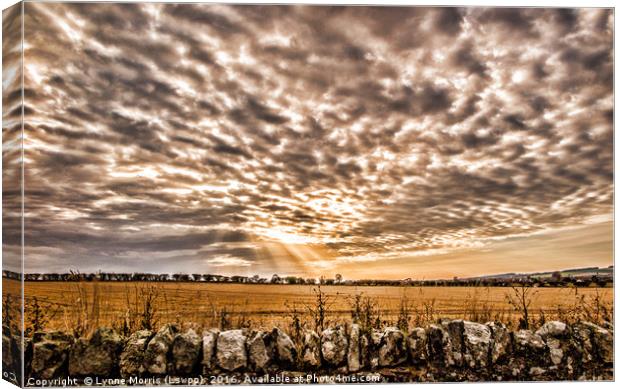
(374, 142)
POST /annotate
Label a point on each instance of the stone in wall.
(455, 346)
(528, 343)
(372, 350)
(501, 341)
(439, 345)
(364, 351)
(353, 354)
(334, 346)
(285, 352)
(132, 358)
(281, 350)
(50, 354)
(97, 355)
(601, 342)
(185, 352)
(529, 348)
(158, 348)
(553, 333)
(417, 345)
(230, 351)
(258, 354)
(537, 372)
(311, 350)
(604, 341)
(553, 329)
(477, 344)
(209, 340)
(12, 347)
(392, 348)
(582, 334)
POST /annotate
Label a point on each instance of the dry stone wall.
(450, 350)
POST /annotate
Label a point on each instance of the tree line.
(554, 281)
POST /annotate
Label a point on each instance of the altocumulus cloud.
(254, 139)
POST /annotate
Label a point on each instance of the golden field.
(65, 305)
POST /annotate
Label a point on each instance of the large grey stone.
(374, 344)
(258, 355)
(209, 339)
(439, 346)
(582, 334)
(556, 353)
(96, 356)
(477, 344)
(158, 348)
(455, 330)
(375, 337)
(364, 350)
(554, 329)
(501, 341)
(185, 352)
(528, 343)
(311, 350)
(334, 346)
(132, 358)
(602, 342)
(286, 353)
(417, 340)
(393, 347)
(50, 354)
(553, 334)
(353, 355)
(230, 350)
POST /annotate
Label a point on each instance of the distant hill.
(585, 272)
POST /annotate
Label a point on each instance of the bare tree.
(320, 308)
(520, 299)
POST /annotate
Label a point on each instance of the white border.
(541, 3)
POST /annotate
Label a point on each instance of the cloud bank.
(254, 139)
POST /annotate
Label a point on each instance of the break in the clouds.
(307, 139)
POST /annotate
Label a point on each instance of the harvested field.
(67, 305)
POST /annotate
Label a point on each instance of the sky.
(374, 142)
